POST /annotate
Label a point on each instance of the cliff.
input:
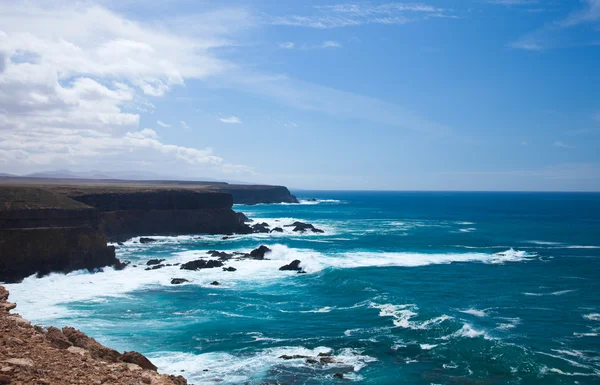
(41, 231)
(242, 193)
(33, 355)
(127, 213)
(256, 194)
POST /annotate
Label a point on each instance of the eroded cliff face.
(252, 195)
(41, 233)
(126, 214)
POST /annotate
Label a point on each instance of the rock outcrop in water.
(31, 355)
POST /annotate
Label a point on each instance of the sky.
(365, 95)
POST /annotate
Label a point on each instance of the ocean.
(401, 288)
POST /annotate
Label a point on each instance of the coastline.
(35, 355)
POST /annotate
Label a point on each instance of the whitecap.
(427, 346)
(558, 292)
(468, 331)
(467, 230)
(475, 312)
(592, 316)
(240, 367)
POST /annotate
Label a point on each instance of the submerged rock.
(154, 262)
(201, 264)
(294, 265)
(155, 267)
(215, 283)
(219, 254)
(338, 375)
(294, 357)
(178, 281)
(147, 240)
(277, 230)
(229, 268)
(259, 253)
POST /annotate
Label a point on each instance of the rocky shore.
(54, 227)
(32, 355)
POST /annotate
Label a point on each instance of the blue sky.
(435, 95)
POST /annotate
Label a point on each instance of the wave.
(402, 315)
(243, 367)
(559, 292)
(318, 201)
(468, 331)
(475, 312)
(44, 299)
(468, 230)
(592, 316)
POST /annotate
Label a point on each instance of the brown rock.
(79, 339)
(138, 359)
(23, 362)
(57, 339)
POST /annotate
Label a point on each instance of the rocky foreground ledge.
(37, 356)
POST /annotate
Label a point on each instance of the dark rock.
(220, 254)
(324, 355)
(178, 281)
(155, 267)
(120, 243)
(201, 264)
(338, 375)
(294, 357)
(277, 230)
(119, 265)
(138, 359)
(312, 200)
(311, 361)
(215, 283)
(260, 228)
(294, 265)
(327, 360)
(229, 268)
(259, 253)
(147, 240)
(302, 272)
(243, 218)
(302, 227)
(154, 262)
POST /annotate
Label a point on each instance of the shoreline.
(31, 354)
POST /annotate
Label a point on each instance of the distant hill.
(120, 175)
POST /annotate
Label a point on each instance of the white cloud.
(70, 75)
(287, 45)
(231, 120)
(344, 15)
(162, 124)
(560, 144)
(290, 125)
(330, 44)
(184, 125)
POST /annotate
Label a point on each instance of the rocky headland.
(50, 356)
(49, 225)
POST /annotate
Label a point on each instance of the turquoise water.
(411, 288)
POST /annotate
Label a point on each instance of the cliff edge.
(41, 231)
(34, 355)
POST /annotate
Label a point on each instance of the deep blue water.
(403, 287)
